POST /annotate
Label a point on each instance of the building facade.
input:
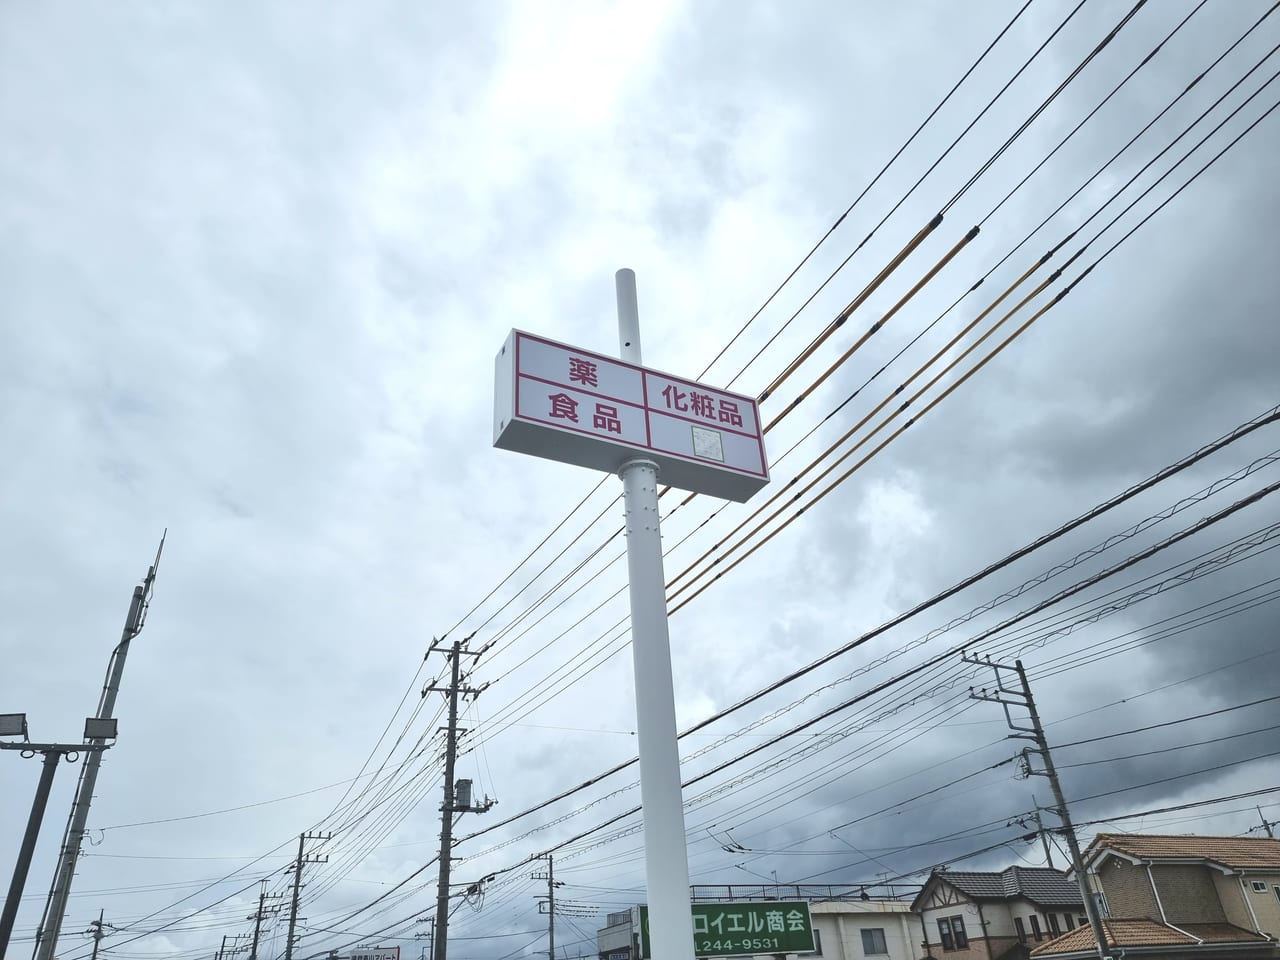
(972, 915)
(1182, 897)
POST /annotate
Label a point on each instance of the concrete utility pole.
(452, 803)
(259, 915)
(55, 908)
(303, 857)
(1035, 733)
(427, 936)
(1044, 835)
(97, 932)
(550, 877)
(1266, 824)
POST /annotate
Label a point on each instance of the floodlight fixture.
(100, 728)
(13, 725)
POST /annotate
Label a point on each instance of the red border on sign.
(576, 389)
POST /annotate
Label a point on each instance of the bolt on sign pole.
(665, 853)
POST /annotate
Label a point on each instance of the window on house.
(1259, 886)
(1022, 930)
(1053, 923)
(873, 943)
(952, 932)
(1035, 926)
(1082, 921)
(1070, 924)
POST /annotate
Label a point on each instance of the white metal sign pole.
(665, 853)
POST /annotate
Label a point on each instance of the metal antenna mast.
(56, 905)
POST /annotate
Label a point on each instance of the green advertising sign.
(729, 929)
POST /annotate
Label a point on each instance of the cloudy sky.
(256, 263)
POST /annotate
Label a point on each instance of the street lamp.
(15, 725)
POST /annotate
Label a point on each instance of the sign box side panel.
(504, 387)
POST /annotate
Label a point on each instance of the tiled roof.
(1123, 932)
(1041, 885)
(1235, 852)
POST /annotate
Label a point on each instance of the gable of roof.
(1040, 885)
(1144, 932)
(1237, 853)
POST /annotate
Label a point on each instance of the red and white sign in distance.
(562, 403)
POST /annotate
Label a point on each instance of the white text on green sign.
(726, 929)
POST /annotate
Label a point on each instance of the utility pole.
(427, 936)
(97, 932)
(55, 907)
(453, 802)
(303, 857)
(1266, 824)
(259, 915)
(1044, 836)
(550, 877)
(1035, 733)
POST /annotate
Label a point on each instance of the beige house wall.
(1237, 902)
(1127, 889)
(1188, 894)
(1265, 905)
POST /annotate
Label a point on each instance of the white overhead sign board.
(561, 403)
(376, 953)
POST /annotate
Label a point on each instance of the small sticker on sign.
(708, 444)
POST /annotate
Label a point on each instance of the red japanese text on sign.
(563, 407)
(583, 371)
(606, 418)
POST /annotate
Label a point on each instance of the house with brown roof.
(973, 915)
(1174, 897)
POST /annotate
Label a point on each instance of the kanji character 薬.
(583, 371)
